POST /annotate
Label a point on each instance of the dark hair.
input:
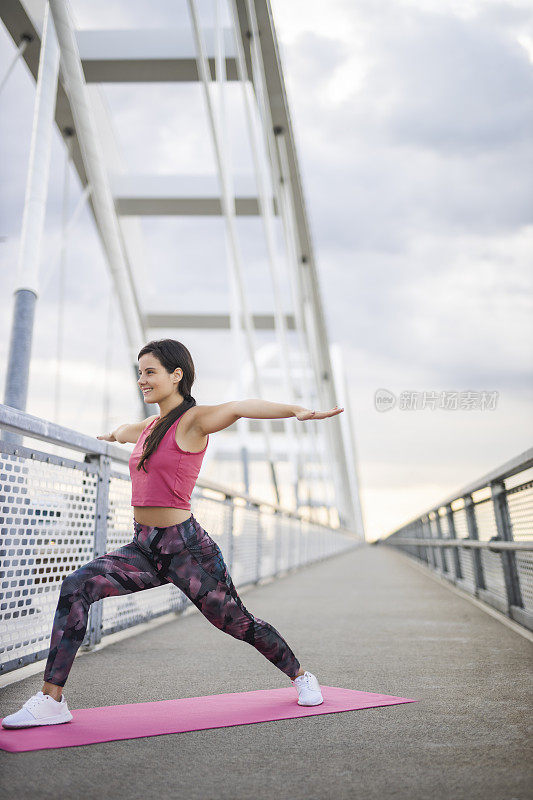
(171, 354)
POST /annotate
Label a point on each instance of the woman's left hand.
(304, 413)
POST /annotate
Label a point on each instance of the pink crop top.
(170, 475)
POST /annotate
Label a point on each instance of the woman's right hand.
(107, 437)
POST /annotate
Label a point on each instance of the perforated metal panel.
(216, 517)
(491, 562)
(47, 532)
(49, 527)
(245, 545)
(268, 536)
(465, 554)
(284, 544)
(524, 564)
(493, 514)
(520, 502)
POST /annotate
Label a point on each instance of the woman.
(169, 545)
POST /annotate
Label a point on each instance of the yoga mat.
(134, 720)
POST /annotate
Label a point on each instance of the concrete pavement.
(369, 620)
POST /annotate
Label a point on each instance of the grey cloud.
(463, 87)
(314, 59)
(375, 180)
(438, 136)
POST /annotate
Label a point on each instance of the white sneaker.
(40, 709)
(309, 693)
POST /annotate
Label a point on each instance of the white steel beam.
(255, 16)
(180, 195)
(238, 343)
(173, 55)
(102, 198)
(39, 162)
(149, 55)
(229, 215)
(20, 50)
(282, 187)
(267, 210)
(183, 207)
(339, 376)
(263, 322)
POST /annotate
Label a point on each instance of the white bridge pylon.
(239, 45)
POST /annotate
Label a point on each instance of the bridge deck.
(367, 619)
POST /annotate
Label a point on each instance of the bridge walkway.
(368, 619)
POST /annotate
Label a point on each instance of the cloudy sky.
(413, 123)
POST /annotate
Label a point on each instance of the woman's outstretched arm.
(264, 409)
(210, 419)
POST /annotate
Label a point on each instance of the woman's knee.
(221, 611)
(74, 582)
(238, 623)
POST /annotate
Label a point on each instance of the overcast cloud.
(413, 122)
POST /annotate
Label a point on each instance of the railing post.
(294, 548)
(230, 520)
(471, 522)
(287, 543)
(259, 549)
(422, 549)
(277, 537)
(426, 529)
(443, 558)
(452, 534)
(505, 532)
(413, 550)
(94, 625)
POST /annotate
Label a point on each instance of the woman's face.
(155, 382)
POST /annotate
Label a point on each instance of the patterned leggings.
(182, 554)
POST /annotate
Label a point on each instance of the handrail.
(63, 508)
(512, 467)
(454, 541)
(20, 422)
(492, 544)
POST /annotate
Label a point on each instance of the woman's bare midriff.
(159, 517)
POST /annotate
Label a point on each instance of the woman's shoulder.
(188, 422)
(188, 436)
(191, 416)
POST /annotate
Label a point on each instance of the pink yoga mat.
(134, 720)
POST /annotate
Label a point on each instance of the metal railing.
(69, 502)
(481, 539)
